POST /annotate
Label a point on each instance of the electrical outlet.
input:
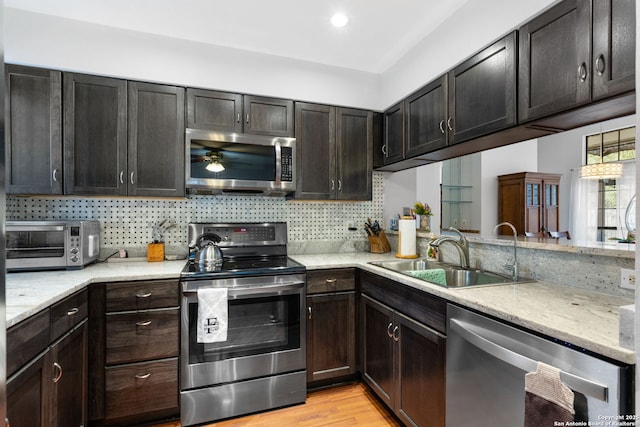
(464, 222)
(627, 278)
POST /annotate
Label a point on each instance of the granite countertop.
(583, 318)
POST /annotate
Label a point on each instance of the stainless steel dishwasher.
(487, 361)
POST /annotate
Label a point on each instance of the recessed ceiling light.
(339, 20)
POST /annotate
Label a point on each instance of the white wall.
(53, 42)
(520, 157)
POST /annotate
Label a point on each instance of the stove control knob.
(74, 259)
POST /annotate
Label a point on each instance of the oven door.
(266, 331)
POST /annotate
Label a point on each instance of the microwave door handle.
(574, 382)
(278, 163)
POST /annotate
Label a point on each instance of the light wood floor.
(347, 405)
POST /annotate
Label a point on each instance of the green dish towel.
(433, 275)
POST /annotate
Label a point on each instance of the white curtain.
(583, 203)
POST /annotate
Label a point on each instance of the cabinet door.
(482, 92)
(27, 404)
(533, 206)
(268, 116)
(426, 119)
(316, 148)
(69, 384)
(614, 46)
(354, 138)
(156, 140)
(33, 149)
(555, 60)
(393, 148)
(330, 336)
(551, 200)
(378, 355)
(95, 135)
(208, 109)
(421, 374)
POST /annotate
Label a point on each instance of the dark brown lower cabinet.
(51, 390)
(133, 353)
(403, 359)
(331, 326)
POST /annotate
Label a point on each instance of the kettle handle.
(212, 237)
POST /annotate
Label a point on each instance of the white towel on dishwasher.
(213, 310)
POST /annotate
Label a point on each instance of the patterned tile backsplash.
(313, 226)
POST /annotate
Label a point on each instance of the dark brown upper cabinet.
(33, 149)
(95, 135)
(156, 140)
(335, 152)
(426, 118)
(614, 46)
(482, 92)
(229, 112)
(315, 148)
(559, 70)
(393, 148)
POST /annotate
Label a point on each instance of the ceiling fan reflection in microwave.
(214, 162)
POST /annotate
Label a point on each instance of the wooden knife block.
(379, 244)
(155, 252)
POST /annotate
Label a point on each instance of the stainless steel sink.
(450, 276)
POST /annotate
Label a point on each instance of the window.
(609, 147)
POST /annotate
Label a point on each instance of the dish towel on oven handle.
(547, 399)
(213, 308)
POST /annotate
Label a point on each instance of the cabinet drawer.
(323, 281)
(26, 339)
(134, 337)
(142, 295)
(68, 313)
(142, 387)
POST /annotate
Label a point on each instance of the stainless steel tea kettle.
(209, 254)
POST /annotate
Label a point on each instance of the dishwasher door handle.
(582, 385)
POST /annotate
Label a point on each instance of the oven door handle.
(255, 290)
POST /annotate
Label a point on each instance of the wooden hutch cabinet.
(530, 201)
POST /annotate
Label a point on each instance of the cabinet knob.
(600, 66)
(58, 368)
(582, 72)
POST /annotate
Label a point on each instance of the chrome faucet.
(514, 267)
(461, 244)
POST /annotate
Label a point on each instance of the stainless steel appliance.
(219, 162)
(487, 361)
(47, 245)
(262, 363)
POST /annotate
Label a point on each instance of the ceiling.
(379, 33)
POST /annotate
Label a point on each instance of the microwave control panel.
(286, 162)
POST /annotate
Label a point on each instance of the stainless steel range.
(243, 346)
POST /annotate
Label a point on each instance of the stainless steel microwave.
(219, 162)
(49, 245)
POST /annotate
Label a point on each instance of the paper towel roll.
(406, 238)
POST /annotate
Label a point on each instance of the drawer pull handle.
(331, 281)
(143, 376)
(58, 368)
(73, 311)
(143, 295)
(310, 314)
(396, 334)
(389, 333)
(143, 323)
